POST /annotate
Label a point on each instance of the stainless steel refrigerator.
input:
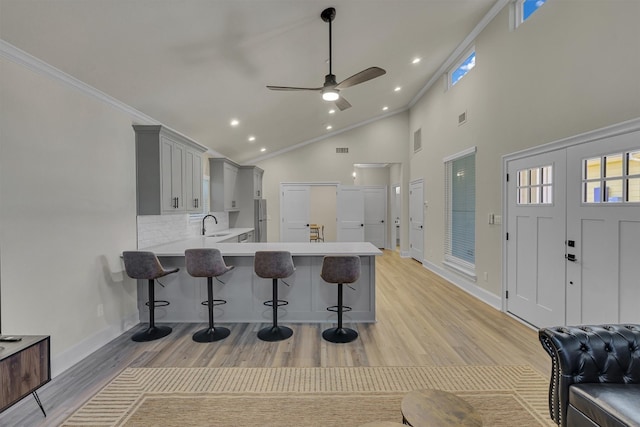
(260, 220)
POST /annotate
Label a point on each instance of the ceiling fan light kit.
(331, 89)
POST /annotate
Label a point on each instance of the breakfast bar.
(308, 295)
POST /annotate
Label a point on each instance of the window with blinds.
(460, 211)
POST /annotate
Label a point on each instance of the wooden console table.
(25, 366)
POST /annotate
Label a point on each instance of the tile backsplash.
(158, 229)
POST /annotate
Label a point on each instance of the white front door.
(375, 212)
(350, 214)
(603, 229)
(416, 220)
(535, 238)
(294, 213)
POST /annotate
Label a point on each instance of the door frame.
(591, 136)
(305, 184)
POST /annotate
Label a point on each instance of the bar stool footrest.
(215, 302)
(158, 303)
(336, 308)
(281, 302)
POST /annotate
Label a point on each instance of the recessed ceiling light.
(397, 89)
(332, 111)
(252, 138)
(262, 150)
(385, 108)
(415, 60)
(235, 122)
(329, 127)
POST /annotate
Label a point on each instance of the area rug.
(346, 396)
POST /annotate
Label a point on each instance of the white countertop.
(176, 249)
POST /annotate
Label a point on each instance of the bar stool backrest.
(143, 265)
(340, 269)
(205, 262)
(273, 264)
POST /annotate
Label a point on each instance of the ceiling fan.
(331, 88)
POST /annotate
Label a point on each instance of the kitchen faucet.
(205, 217)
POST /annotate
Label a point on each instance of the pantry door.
(294, 213)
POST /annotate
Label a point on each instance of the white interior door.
(350, 214)
(416, 220)
(294, 213)
(375, 213)
(535, 243)
(604, 230)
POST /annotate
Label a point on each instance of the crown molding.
(20, 57)
(462, 47)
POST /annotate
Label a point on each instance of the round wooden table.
(436, 408)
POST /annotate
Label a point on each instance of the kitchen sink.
(218, 234)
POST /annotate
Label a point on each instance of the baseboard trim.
(466, 285)
(84, 348)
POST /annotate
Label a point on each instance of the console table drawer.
(24, 367)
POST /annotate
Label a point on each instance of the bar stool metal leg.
(212, 333)
(153, 332)
(275, 332)
(339, 334)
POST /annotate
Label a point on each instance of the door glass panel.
(592, 192)
(535, 195)
(535, 176)
(523, 178)
(547, 194)
(614, 190)
(613, 166)
(547, 176)
(634, 163)
(592, 168)
(523, 196)
(633, 192)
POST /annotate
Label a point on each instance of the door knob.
(571, 257)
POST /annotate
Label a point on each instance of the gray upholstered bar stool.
(145, 265)
(274, 265)
(205, 262)
(340, 270)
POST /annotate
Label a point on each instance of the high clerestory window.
(525, 8)
(462, 67)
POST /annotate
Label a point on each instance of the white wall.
(569, 69)
(382, 141)
(68, 210)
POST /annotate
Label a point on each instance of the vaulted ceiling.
(194, 65)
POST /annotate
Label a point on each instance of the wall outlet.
(100, 310)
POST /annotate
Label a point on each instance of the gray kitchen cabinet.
(168, 171)
(257, 182)
(223, 184)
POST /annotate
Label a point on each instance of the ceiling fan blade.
(342, 103)
(361, 77)
(293, 88)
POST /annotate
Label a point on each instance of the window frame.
(460, 265)
(518, 12)
(458, 64)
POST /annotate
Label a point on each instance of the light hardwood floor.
(422, 320)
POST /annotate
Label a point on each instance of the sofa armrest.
(589, 354)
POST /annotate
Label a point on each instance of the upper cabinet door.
(163, 185)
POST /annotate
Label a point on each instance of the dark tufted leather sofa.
(595, 374)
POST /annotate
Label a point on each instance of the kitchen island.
(308, 295)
